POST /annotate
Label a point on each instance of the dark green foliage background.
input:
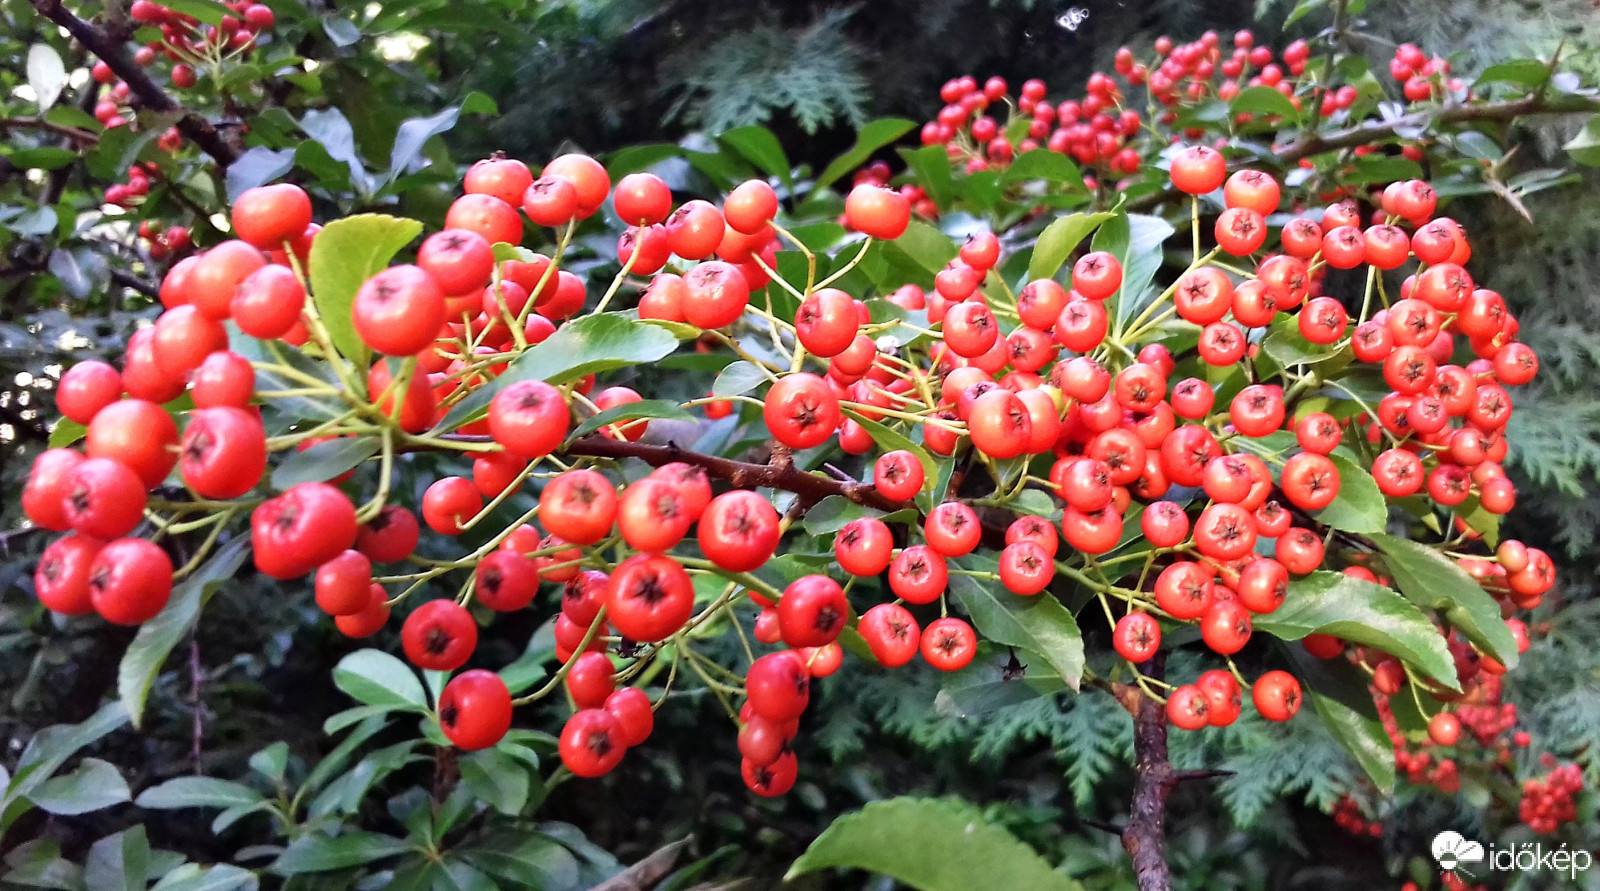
(600, 74)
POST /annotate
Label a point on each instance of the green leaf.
(344, 255)
(119, 862)
(1338, 692)
(1527, 73)
(1365, 613)
(1039, 624)
(217, 877)
(156, 638)
(1263, 100)
(316, 852)
(645, 408)
(931, 845)
(587, 345)
(872, 136)
(66, 432)
(1585, 147)
(836, 511)
(414, 133)
(1136, 241)
(739, 377)
(931, 166)
(1044, 164)
(1360, 505)
(1433, 581)
(523, 860)
(890, 440)
(760, 147)
(94, 785)
(1288, 347)
(1302, 9)
(256, 167)
(635, 158)
(925, 246)
(181, 792)
(47, 158)
(325, 460)
(377, 678)
(1059, 240)
(208, 11)
(342, 32)
(46, 74)
(272, 761)
(497, 780)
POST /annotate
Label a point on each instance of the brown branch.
(1365, 134)
(75, 134)
(743, 474)
(1144, 835)
(111, 51)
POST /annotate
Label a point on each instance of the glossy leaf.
(1043, 164)
(1527, 73)
(1365, 613)
(325, 460)
(1433, 581)
(760, 147)
(377, 678)
(257, 167)
(46, 74)
(890, 440)
(1585, 147)
(1039, 624)
(1360, 505)
(94, 785)
(645, 408)
(156, 638)
(1263, 100)
(414, 133)
(1059, 240)
(316, 852)
(344, 255)
(872, 136)
(1136, 241)
(1337, 691)
(182, 792)
(930, 845)
(738, 377)
(587, 345)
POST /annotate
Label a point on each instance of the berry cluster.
(1547, 803)
(1422, 78)
(163, 243)
(1078, 374)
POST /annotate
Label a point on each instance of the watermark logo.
(1457, 853)
(1452, 849)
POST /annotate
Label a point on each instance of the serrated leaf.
(645, 408)
(181, 792)
(344, 255)
(46, 74)
(1059, 240)
(1433, 581)
(930, 845)
(1039, 624)
(1338, 693)
(144, 657)
(325, 460)
(1365, 613)
(872, 136)
(377, 678)
(587, 345)
(1360, 505)
(890, 440)
(94, 785)
(739, 377)
(316, 852)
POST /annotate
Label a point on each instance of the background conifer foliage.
(607, 444)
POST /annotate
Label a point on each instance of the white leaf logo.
(1452, 849)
